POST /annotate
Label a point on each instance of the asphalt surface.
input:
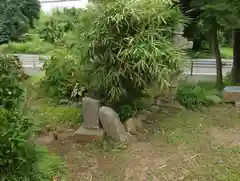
(32, 64)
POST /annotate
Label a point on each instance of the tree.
(16, 17)
(236, 57)
(214, 15)
(56, 26)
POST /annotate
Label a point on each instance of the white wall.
(48, 6)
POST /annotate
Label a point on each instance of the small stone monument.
(178, 38)
(232, 94)
(112, 124)
(90, 110)
(90, 130)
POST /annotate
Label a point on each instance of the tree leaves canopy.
(16, 17)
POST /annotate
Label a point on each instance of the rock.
(112, 124)
(214, 99)
(154, 108)
(168, 102)
(63, 101)
(133, 126)
(85, 135)
(74, 104)
(143, 115)
(90, 113)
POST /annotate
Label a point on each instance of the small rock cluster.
(99, 121)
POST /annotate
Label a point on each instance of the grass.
(176, 146)
(29, 47)
(185, 145)
(47, 167)
(226, 52)
(45, 112)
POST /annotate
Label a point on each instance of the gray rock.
(112, 124)
(85, 135)
(214, 99)
(90, 113)
(63, 101)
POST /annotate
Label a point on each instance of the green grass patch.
(226, 52)
(29, 47)
(55, 116)
(46, 167)
(45, 111)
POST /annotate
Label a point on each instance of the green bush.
(128, 46)
(62, 73)
(44, 168)
(32, 46)
(192, 97)
(56, 26)
(16, 152)
(11, 75)
(228, 79)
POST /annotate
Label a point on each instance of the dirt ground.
(177, 145)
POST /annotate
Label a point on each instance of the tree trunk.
(236, 57)
(197, 44)
(216, 52)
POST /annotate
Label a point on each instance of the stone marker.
(90, 130)
(232, 93)
(84, 135)
(90, 113)
(112, 124)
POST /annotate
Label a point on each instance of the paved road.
(32, 64)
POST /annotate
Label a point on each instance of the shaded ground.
(190, 146)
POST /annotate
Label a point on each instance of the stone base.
(232, 93)
(85, 135)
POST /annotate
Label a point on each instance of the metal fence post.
(191, 73)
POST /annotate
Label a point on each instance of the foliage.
(34, 45)
(226, 52)
(16, 17)
(56, 26)
(192, 97)
(62, 73)
(53, 117)
(16, 151)
(11, 74)
(127, 46)
(45, 167)
(228, 79)
(224, 12)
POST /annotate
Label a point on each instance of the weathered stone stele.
(112, 124)
(90, 130)
(90, 113)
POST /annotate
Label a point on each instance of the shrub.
(16, 152)
(62, 73)
(228, 79)
(118, 49)
(192, 97)
(32, 46)
(54, 28)
(46, 167)
(127, 47)
(11, 74)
